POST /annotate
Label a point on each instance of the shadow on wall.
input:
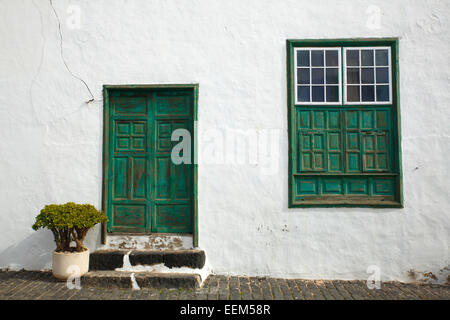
(32, 253)
(35, 251)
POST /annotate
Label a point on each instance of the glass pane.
(382, 75)
(368, 93)
(382, 93)
(367, 75)
(332, 76)
(353, 57)
(303, 58)
(303, 76)
(318, 94)
(382, 57)
(353, 94)
(353, 76)
(332, 93)
(317, 58)
(303, 94)
(318, 76)
(367, 57)
(331, 58)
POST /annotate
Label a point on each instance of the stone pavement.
(42, 286)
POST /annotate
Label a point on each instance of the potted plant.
(69, 224)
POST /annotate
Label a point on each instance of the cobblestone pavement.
(42, 286)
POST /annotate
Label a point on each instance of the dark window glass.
(331, 57)
(303, 94)
(382, 93)
(382, 57)
(353, 93)
(318, 76)
(368, 93)
(367, 57)
(332, 93)
(303, 58)
(318, 94)
(382, 75)
(352, 57)
(303, 76)
(332, 76)
(353, 75)
(317, 58)
(367, 75)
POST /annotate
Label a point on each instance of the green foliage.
(69, 222)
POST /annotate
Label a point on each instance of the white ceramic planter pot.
(66, 264)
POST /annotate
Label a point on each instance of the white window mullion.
(360, 76)
(324, 67)
(310, 76)
(375, 101)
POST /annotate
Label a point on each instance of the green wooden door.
(145, 191)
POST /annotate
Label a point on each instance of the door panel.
(139, 184)
(173, 104)
(172, 218)
(172, 205)
(147, 191)
(130, 105)
(120, 182)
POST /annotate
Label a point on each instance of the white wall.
(51, 140)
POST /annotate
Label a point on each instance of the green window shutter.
(344, 148)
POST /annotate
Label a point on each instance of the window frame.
(396, 170)
(340, 80)
(344, 80)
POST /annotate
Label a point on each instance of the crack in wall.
(62, 55)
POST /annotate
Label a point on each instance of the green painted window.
(343, 113)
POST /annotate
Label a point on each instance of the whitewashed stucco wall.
(51, 140)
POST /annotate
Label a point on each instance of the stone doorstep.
(112, 259)
(120, 279)
(106, 259)
(194, 259)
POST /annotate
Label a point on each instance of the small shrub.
(69, 222)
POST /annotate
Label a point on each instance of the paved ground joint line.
(39, 286)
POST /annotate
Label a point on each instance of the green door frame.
(106, 140)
